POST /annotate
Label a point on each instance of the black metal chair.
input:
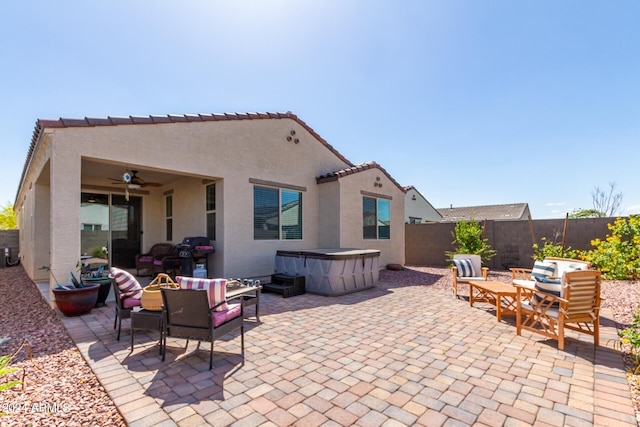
(187, 315)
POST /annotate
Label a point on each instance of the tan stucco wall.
(329, 215)
(351, 187)
(229, 152)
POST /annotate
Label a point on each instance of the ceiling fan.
(133, 181)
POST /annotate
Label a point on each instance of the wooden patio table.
(501, 295)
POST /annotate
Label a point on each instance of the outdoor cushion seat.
(525, 276)
(145, 262)
(187, 314)
(131, 302)
(169, 264)
(467, 268)
(549, 315)
(123, 307)
(219, 317)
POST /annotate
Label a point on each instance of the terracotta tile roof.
(511, 211)
(333, 176)
(43, 124)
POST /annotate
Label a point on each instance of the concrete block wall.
(426, 244)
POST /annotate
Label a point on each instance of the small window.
(413, 220)
(211, 211)
(376, 218)
(168, 215)
(277, 214)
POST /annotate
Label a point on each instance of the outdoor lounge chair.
(147, 260)
(467, 268)
(576, 308)
(187, 315)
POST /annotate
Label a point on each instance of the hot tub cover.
(332, 271)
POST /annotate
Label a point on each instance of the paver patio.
(393, 355)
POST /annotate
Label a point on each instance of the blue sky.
(472, 102)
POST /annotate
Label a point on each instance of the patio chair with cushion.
(125, 302)
(467, 268)
(169, 264)
(573, 303)
(552, 268)
(145, 262)
(199, 311)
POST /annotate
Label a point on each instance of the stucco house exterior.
(417, 209)
(254, 183)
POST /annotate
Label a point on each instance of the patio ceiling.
(103, 176)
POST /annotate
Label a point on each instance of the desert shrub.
(469, 240)
(618, 255)
(551, 249)
(631, 337)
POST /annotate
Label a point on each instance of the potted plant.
(96, 270)
(75, 298)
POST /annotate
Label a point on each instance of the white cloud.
(555, 204)
(632, 209)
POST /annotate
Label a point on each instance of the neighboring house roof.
(408, 188)
(334, 176)
(489, 212)
(43, 124)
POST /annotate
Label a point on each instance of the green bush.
(468, 240)
(618, 256)
(549, 249)
(631, 337)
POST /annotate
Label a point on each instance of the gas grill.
(194, 250)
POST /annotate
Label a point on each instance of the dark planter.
(74, 302)
(105, 287)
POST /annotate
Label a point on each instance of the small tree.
(469, 240)
(7, 217)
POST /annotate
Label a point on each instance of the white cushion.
(470, 279)
(529, 284)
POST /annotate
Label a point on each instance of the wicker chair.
(123, 311)
(156, 253)
(578, 307)
(187, 315)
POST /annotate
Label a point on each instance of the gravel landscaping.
(59, 387)
(61, 390)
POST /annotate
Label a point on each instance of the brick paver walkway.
(392, 356)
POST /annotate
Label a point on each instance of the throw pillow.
(126, 282)
(543, 269)
(464, 266)
(216, 290)
(549, 286)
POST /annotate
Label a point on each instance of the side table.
(147, 320)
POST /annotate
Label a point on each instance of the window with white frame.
(376, 218)
(277, 214)
(168, 216)
(211, 211)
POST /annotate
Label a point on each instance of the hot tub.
(331, 271)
